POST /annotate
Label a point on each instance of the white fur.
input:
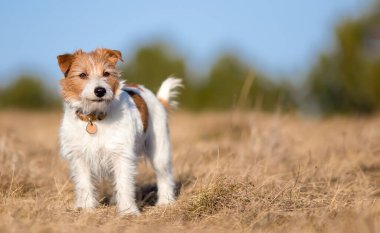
(168, 91)
(111, 153)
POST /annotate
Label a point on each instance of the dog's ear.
(64, 62)
(113, 55)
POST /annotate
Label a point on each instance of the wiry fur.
(110, 154)
(168, 92)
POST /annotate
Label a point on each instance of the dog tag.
(91, 128)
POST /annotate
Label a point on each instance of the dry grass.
(236, 172)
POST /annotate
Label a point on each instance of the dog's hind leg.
(159, 153)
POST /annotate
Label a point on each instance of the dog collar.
(91, 127)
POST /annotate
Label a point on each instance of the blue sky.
(279, 37)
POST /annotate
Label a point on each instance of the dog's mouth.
(98, 100)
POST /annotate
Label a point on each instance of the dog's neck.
(94, 116)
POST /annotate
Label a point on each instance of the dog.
(107, 124)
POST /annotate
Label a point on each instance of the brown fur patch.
(64, 62)
(93, 63)
(72, 88)
(113, 82)
(112, 55)
(142, 107)
(165, 104)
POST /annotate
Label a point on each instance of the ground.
(235, 172)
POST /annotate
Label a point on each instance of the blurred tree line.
(347, 79)
(230, 82)
(28, 92)
(343, 80)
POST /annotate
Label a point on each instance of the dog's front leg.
(81, 174)
(124, 174)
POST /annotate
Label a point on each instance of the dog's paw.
(86, 205)
(165, 201)
(130, 210)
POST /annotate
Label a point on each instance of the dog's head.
(91, 79)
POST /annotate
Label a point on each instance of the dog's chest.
(113, 138)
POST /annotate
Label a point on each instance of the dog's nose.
(100, 91)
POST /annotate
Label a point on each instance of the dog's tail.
(168, 92)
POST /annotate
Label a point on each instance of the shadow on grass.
(146, 194)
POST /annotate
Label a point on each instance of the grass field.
(236, 172)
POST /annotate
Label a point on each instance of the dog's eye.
(106, 74)
(83, 75)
